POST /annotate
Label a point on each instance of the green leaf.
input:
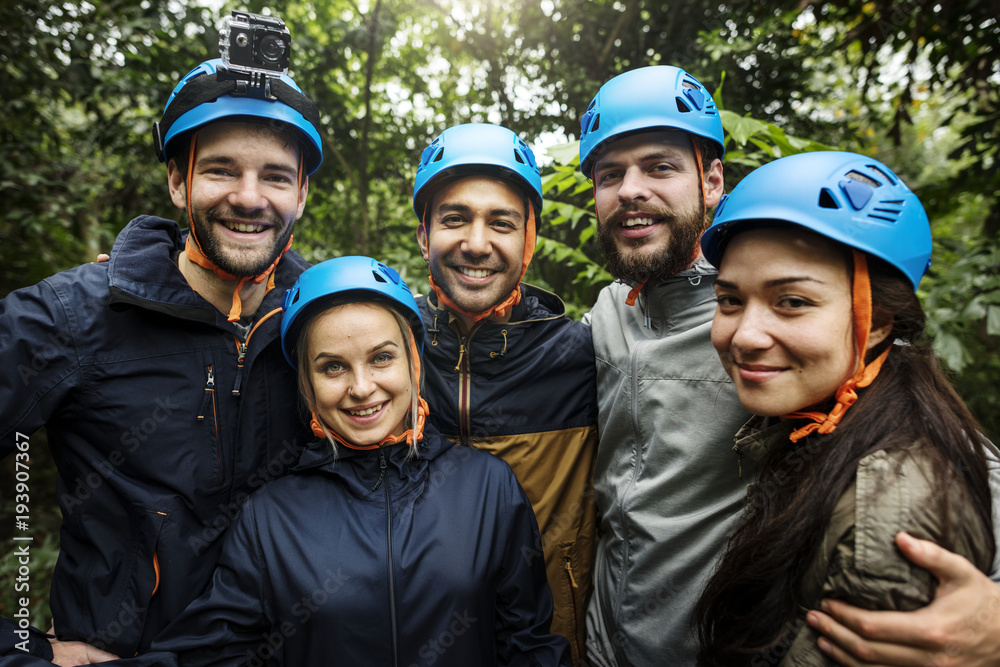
(741, 128)
(951, 352)
(993, 321)
(568, 154)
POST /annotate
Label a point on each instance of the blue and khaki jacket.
(162, 418)
(525, 390)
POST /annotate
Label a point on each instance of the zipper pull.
(381, 469)
(434, 330)
(739, 459)
(461, 353)
(209, 389)
(569, 571)
(242, 349)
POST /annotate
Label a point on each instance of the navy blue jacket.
(374, 558)
(162, 418)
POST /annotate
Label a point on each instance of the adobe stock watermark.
(227, 512)
(130, 439)
(22, 541)
(302, 611)
(42, 356)
(435, 648)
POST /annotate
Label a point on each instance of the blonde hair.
(308, 395)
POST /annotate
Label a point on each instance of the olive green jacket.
(857, 560)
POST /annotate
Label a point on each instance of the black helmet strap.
(204, 89)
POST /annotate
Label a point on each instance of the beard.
(237, 261)
(637, 260)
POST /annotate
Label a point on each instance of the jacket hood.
(494, 340)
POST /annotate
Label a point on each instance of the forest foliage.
(914, 83)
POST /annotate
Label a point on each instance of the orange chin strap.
(192, 248)
(504, 307)
(411, 436)
(864, 376)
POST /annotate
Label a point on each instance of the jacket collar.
(536, 304)
(318, 455)
(683, 300)
(760, 435)
(143, 272)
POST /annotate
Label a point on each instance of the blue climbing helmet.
(476, 149)
(660, 97)
(849, 198)
(200, 98)
(352, 278)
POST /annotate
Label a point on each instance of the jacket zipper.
(210, 397)
(241, 351)
(389, 562)
(464, 369)
(572, 594)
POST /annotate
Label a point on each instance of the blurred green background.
(914, 84)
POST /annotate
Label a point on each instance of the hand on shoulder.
(960, 627)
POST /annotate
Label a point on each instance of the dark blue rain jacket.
(162, 418)
(374, 558)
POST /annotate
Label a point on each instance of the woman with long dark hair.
(858, 434)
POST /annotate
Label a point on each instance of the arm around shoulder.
(956, 622)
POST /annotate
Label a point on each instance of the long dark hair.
(753, 601)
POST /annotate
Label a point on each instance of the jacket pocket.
(129, 603)
(208, 418)
(568, 617)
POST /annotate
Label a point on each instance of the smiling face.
(648, 203)
(784, 323)
(359, 371)
(244, 195)
(475, 241)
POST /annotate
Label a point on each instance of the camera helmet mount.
(254, 49)
(247, 83)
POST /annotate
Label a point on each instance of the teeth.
(475, 273)
(365, 413)
(242, 227)
(636, 222)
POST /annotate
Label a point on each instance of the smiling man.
(506, 370)
(668, 488)
(159, 374)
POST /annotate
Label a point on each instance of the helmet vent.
(863, 178)
(517, 156)
(887, 210)
(438, 156)
(682, 107)
(596, 124)
(883, 173)
(375, 274)
(827, 200)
